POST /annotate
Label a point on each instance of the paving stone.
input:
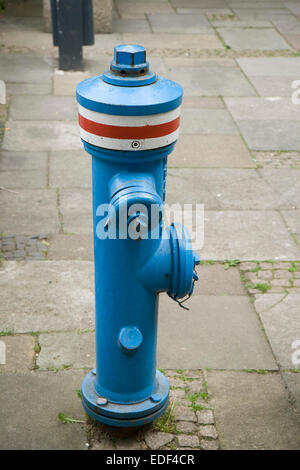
(171, 41)
(41, 135)
(205, 417)
(18, 68)
(208, 431)
(270, 66)
(78, 164)
(29, 88)
(76, 209)
(217, 151)
(176, 394)
(292, 219)
(292, 381)
(199, 3)
(258, 401)
(215, 280)
(44, 396)
(65, 82)
(289, 25)
(179, 24)
(155, 440)
(285, 181)
(262, 109)
(29, 212)
(184, 413)
(60, 349)
(253, 39)
(271, 241)
(18, 353)
(209, 445)
(261, 13)
(64, 246)
(28, 179)
(23, 161)
(188, 441)
(280, 318)
(201, 102)
(186, 426)
(129, 9)
(47, 296)
(293, 39)
(128, 443)
(280, 283)
(293, 6)
(272, 135)
(43, 108)
(208, 77)
(207, 121)
(238, 341)
(131, 25)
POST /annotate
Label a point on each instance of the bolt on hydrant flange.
(129, 122)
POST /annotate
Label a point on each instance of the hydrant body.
(129, 120)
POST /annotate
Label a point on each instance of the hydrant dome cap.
(162, 96)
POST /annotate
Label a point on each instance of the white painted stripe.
(127, 121)
(125, 144)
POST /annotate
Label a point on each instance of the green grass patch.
(67, 419)
(7, 333)
(231, 263)
(79, 393)
(293, 268)
(167, 422)
(256, 371)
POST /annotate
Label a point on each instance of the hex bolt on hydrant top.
(129, 122)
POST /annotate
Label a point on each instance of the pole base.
(120, 415)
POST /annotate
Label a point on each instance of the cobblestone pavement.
(233, 358)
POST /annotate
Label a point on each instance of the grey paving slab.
(23, 161)
(270, 66)
(253, 39)
(273, 86)
(241, 24)
(18, 68)
(25, 179)
(79, 247)
(286, 183)
(293, 6)
(129, 9)
(280, 316)
(207, 121)
(218, 151)
(292, 381)
(235, 189)
(267, 236)
(58, 350)
(44, 396)
(215, 280)
(199, 3)
(43, 108)
(253, 412)
(76, 210)
(202, 102)
(210, 12)
(70, 169)
(29, 212)
(258, 109)
(261, 13)
(47, 296)
(209, 77)
(217, 332)
(292, 219)
(41, 136)
(271, 135)
(130, 25)
(18, 354)
(174, 41)
(65, 82)
(289, 25)
(180, 24)
(294, 40)
(255, 4)
(29, 88)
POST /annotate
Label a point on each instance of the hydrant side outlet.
(129, 122)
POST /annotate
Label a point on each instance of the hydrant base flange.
(125, 415)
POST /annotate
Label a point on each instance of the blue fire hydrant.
(129, 121)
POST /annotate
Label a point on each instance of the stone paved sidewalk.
(233, 358)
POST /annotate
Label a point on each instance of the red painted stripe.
(120, 132)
